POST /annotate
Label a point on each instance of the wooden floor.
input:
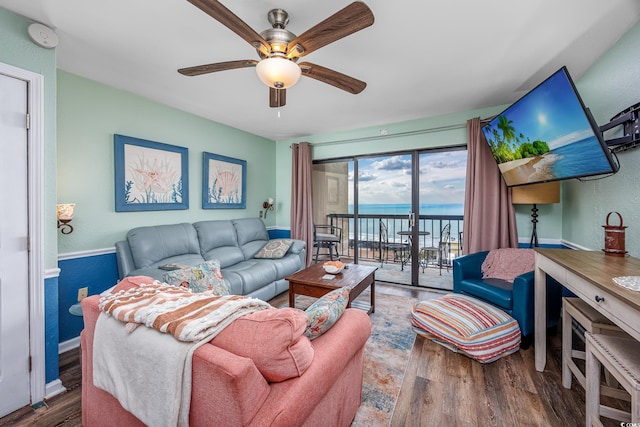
(60, 410)
(440, 388)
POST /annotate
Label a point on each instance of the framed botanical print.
(150, 176)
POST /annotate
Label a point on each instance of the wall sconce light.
(268, 206)
(65, 215)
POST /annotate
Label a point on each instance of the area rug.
(386, 356)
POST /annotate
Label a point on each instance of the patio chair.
(400, 250)
(438, 255)
(327, 236)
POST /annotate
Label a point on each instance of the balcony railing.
(361, 235)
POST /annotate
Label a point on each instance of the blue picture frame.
(150, 176)
(224, 182)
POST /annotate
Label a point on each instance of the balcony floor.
(392, 272)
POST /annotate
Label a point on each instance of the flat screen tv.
(548, 135)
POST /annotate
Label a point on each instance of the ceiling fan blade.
(218, 66)
(277, 97)
(227, 18)
(347, 21)
(334, 78)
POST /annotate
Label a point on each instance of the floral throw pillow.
(202, 277)
(325, 312)
(274, 249)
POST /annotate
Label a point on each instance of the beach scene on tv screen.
(545, 136)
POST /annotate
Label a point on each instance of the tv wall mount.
(628, 119)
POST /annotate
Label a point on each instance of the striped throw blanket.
(185, 315)
(127, 360)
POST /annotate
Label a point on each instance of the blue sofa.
(516, 299)
(232, 242)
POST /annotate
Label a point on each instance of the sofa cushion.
(218, 240)
(200, 278)
(499, 292)
(273, 339)
(325, 312)
(150, 245)
(274, 249)
(234, 282)
(285, 266)
(297, 246)
(252, 235)
(254, 273)
(467, 325)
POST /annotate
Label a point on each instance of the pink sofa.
(229, 390)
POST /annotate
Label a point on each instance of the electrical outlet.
(82, 293)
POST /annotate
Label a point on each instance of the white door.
(14, 260)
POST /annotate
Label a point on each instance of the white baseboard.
(527, 240)
(575, 246)
(68, 345)
(53, 388)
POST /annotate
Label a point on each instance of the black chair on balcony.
(327, 237)
(401, 251)
(438, 255)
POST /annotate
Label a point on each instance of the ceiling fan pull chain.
(278, 101)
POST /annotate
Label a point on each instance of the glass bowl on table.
(333, 267)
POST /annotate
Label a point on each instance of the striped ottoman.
(467, 325)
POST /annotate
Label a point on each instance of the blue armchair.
(515, 298)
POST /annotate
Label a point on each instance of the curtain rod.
(406, 133)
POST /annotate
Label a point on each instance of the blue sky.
(387, 179)
(551, 113)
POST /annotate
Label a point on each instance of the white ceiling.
(419, 59)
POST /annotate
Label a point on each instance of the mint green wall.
(16, 49)
(448, 130)
(609, 86)
(89, 113)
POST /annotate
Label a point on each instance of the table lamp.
(535, 194)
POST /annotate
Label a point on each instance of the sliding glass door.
(442, 177)
(401, 212)
(384, 190)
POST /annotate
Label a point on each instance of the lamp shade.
(278, 73)
(65, 211)
(544, 193)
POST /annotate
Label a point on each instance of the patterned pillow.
(274, 249)
(466, 325)
(325, 312)
(202, 277)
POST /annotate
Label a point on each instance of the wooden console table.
(588, 274)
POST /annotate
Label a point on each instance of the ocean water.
(583, 157)
(404, 209)
(369, 229)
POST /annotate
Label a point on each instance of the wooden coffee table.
(312, 282)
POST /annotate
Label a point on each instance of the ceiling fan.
(280, 49)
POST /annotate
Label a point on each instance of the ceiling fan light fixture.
(278, 73)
